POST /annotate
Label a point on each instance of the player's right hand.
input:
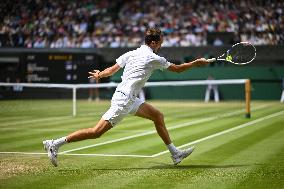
(95, 74)
(200, 62)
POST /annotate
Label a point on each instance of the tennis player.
(138, 66)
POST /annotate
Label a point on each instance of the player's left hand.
(95, 74)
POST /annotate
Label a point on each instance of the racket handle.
(211, 60)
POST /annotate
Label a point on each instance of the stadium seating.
(94, 23)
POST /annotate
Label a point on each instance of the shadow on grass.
(204, 166)
(169, 167)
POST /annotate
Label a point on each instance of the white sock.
(172, 149)
(60, 141)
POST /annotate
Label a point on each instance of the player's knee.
(95, 133)
(98, 135)
(159, 117)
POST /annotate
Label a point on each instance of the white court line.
(36, 120)
(164, 152)
(24, 153)
(169, 128)
(109, 142)
(111, 155)
(224, 132)
(101, 155)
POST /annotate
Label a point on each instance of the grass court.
(231, 150)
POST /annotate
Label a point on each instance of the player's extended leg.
(149, 112)
(52, 146)
(90, 133)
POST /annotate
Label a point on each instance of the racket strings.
(242, 53)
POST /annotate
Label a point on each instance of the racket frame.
(224, 59)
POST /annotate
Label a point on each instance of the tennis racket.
(240, 54)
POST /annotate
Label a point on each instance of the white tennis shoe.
(52, 150)
(178, 157)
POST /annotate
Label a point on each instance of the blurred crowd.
(122, 23)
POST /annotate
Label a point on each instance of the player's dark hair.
(152, 34)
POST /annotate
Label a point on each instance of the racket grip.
(211, 60)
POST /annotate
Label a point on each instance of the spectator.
(40, 42)
(218, 42)
(87, 43)
(185, 23)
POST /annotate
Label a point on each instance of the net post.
(74, 100)
(248, 97)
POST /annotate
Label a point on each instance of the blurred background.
(59, 41)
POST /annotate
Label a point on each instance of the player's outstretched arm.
(97, 74)
(185, 66)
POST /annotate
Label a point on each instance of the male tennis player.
(138, 66)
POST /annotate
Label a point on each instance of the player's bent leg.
(149, 112)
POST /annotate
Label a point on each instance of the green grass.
(248, 157)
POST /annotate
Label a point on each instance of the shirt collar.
(146, 47)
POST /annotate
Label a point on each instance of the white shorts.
(121, 106)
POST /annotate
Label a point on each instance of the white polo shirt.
(138, 66)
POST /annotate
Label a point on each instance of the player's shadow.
(179, 167)
(201, 166)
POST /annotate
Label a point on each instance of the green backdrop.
(266, 82)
